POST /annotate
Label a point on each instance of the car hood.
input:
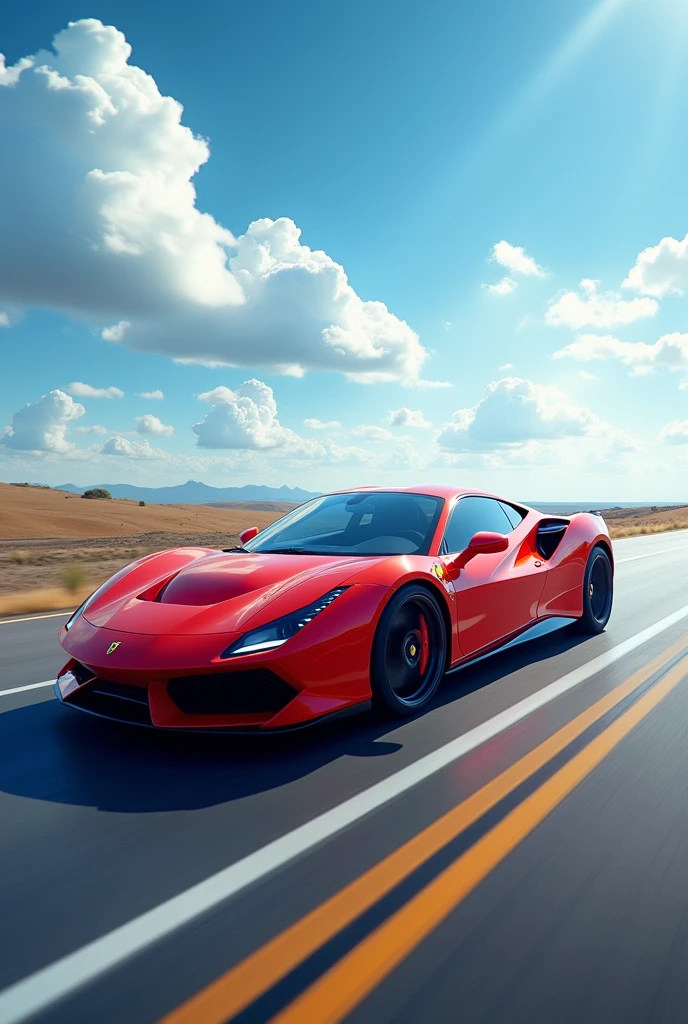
(218, 592)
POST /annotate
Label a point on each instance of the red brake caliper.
(424, 652)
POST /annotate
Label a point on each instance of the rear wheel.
(598, 593)
(409, 652)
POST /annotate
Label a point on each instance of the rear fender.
(563, 591)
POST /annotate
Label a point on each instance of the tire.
(598, 593)
(409, 652)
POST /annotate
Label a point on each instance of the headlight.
(276, 633)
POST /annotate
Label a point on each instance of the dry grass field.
(56, 547)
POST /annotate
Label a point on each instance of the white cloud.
(246, 419)
(515, 259)
(122, 446)
(100, 219)
(373, 433)
(514, 411)
(41, 426)
(404, 457)
(584, 375)
(660, 269)
(95, 428)
(506, 366)
(670, 351)
(675, 432)
(316, 424)
(81, 390)
(150, 424)
(156, 395)
(4, 319)
(446, 325)
(506, 286)
(590, 308)
(408, 418)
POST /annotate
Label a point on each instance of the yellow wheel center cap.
(412, 650)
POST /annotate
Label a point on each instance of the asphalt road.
(532, 832)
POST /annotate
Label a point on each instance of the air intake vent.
(114, 700)
(231, 693)
(549, 536)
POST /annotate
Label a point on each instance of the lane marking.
(34, 618)
(649, 554)
(29, 686)
(344, 986)
(69, 972)
(253, 976)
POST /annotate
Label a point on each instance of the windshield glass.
(357, 523)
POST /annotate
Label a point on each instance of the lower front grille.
(231, 693)
(114, 700)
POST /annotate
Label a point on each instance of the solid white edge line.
(648, 554)
(35, 618)
(29, 686)
(42, 988)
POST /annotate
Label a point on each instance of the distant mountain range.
(195, 493)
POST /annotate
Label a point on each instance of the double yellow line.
(340, 989)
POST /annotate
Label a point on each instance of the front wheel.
(409, 652)
(598, 593)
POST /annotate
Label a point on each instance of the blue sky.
(467, 165)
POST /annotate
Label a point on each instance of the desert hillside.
(31, 513)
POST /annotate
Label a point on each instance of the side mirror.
(485, 542)
(248, 534)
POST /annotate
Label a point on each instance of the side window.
(514, 515)
(471, 515)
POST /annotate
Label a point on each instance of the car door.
(497, 594)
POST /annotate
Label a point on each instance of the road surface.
(519, 853)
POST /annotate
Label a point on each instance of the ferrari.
(357, 598)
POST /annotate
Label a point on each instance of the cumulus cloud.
(156, 395)
(660, 269)
(81, 390)
(514, 411)
(247, 419)
(94, 428)
(515, 259)
(373, 433)
(316, 424)
(590, 308)
(42, 426)
(123, 447)
(675, 432)
(150, 424)
(506, 286)
(404, 456)
(4, 318)
(670, 351)
(99, 218)
(408, 418)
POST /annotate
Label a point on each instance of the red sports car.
(365, 595)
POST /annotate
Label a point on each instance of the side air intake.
(549, 535)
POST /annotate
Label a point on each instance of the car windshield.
(357, 523)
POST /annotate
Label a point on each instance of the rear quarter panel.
(563, 591)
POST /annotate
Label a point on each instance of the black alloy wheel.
(598, 593)
(409, 652)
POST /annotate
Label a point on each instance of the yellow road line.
(249, 979)
(34, 618)
(334, 995)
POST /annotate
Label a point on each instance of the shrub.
(96, 492)
(142, 503)
(73, 577)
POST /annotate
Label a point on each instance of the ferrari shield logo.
(438, 571)
(113, 647)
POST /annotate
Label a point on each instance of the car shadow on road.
(49, 753)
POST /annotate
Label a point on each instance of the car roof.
(447, 491)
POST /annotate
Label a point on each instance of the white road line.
(650, 554)
(64, 976)
(34, 618)
(29, 686)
